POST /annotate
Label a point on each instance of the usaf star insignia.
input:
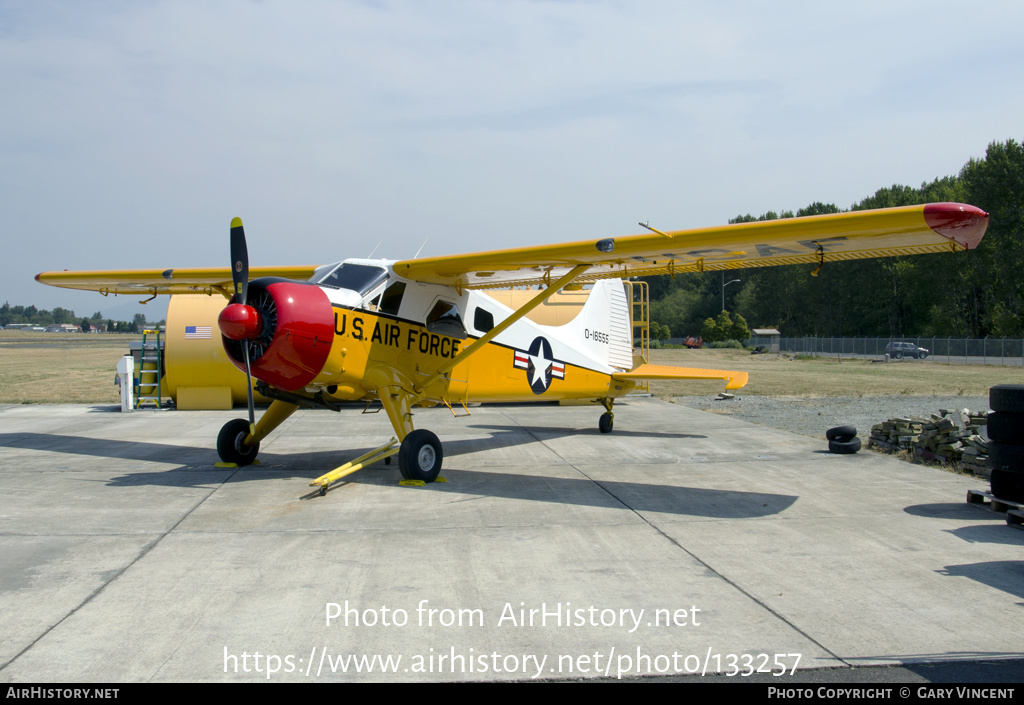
(540, 365)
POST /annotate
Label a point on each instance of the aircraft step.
(1014, 510)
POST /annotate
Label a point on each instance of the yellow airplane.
(425, 331)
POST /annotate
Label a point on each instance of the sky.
(131, 133)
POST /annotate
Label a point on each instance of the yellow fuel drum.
(198, 373)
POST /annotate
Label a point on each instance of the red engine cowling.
(289, 333)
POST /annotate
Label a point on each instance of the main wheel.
(606, 422)
(230, 447)
(420, 456)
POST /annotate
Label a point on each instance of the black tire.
(897, 356)
(1006, 457)
(1008, 485)
(834, 434)
(1007, 397)
(1006, 428)
(606, 422)
(844, 447)
(229, 443)
(420, 456)
(923, 355)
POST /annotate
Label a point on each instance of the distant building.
(768, 337)
(63, 328)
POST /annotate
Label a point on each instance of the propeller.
(239, 321)
(239, 260)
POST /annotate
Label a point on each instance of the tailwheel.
(606, 422)
(230, 446)
(420, 456)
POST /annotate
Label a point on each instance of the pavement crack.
(688, 552)
(99, 590)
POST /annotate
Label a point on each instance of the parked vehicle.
(898, 351)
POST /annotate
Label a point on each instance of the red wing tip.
(959, 222)
(39, 275)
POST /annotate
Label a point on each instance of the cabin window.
(444, 319)
(483, 320)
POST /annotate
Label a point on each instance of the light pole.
(725, 284)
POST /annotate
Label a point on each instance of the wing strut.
(482, 341)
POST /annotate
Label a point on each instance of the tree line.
(961, 294)
(42, 317)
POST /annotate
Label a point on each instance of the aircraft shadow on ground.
(196, 470)
(560, 431)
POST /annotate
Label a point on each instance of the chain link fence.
(962, 351)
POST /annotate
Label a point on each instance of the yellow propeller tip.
(236, 222)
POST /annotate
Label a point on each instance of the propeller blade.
(239, 261)
(240, 278)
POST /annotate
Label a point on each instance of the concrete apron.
(682, 542)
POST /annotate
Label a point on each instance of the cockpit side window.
(391, 301)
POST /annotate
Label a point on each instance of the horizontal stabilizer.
(735, 379)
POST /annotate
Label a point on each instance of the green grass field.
(782, 375)
(40, 368)
(56, 368)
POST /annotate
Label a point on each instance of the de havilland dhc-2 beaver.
(425, 331)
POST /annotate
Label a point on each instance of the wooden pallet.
(1014, 510)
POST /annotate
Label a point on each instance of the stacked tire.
(1006, 436)
(843, 439)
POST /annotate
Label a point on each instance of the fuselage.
(388, 331)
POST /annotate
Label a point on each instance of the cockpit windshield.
(361, 278)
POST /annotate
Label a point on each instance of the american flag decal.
(198, 332)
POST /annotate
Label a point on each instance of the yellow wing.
(164, 281)
(936, 227)
(910, 230)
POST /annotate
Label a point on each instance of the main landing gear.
(420, 456)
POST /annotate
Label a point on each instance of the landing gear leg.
(420, 455)
(607, 420)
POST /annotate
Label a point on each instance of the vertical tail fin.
(606, 326)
